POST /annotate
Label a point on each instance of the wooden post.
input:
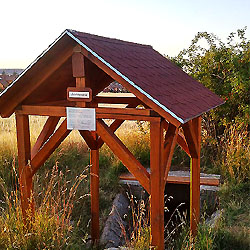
(79, 71)
(195, 179)
(156, 185)
(24, 155)
(94, 190)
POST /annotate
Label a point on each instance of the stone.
(115, 226)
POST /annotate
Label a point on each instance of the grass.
(70, 159)
(61, 228)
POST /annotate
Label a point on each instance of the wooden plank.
(25, 177)
(131, 88)
(49, 147)
(45, 72)
(120, 150)
(208, 181)
(157, 185)
(195, 179)
(169, 145)
(47, 131)
(117, 100)
(190, 138)
(94, 191)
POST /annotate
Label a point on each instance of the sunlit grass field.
(56, 182)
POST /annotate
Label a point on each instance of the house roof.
(147, 72)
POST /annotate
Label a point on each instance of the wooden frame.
(161, 148)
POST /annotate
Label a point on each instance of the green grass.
(71, 159)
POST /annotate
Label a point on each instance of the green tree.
(223, 67)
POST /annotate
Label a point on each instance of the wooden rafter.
(49, 147)
(169, 145)
(47, 131)
(120, 150)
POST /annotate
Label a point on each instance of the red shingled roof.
(150, 73)
(166, 84)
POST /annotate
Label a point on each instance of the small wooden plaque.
(76, 94)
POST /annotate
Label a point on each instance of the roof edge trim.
(123, 76)
(34, 62)
(216, 106)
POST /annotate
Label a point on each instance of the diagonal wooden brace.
(127, 158)
(190, 139)
(169, 145)
(89, 139)
(181, 140)
(47, 131)
(48, 148)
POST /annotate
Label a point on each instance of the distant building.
(115, 87)
(7, 76)
(1, 87)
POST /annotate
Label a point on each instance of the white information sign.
(81, 119)
(78, 94)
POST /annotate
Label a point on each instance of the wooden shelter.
(83, 63)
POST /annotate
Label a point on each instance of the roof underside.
(141, 66)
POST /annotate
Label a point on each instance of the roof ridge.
(107, 39)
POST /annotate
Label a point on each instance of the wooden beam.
(190, 138)
(78, 63)
(105, 113)
(169, 145)
(87, 136)
(128, 117)
(25, 177)
(113, 127)
(195, 179)
(127, 158)
(49, 147)
(156, 185)
(181, 140)
(47, 131)
(131, 88)
(78, 69)
(208, 181)
(117, 100)
(94, 191)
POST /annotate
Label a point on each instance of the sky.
(29, 26)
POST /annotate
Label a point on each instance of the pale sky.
(29, 26)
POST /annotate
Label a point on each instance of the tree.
(225, 69)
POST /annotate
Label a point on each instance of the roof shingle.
(165, 82)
